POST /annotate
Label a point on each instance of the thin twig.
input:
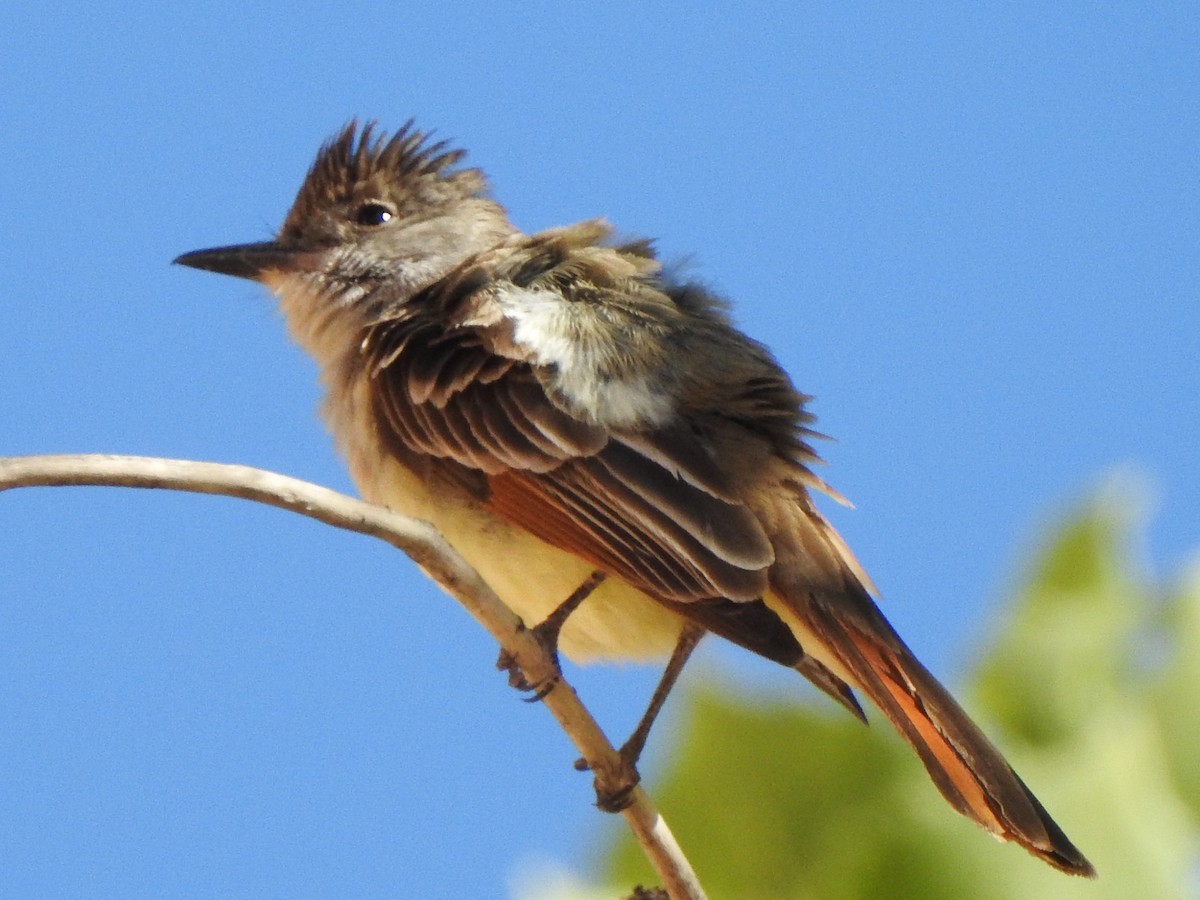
(422, 542)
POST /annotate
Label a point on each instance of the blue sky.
(970, 230)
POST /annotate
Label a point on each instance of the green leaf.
(1175, 696)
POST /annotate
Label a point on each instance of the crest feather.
(406, 168)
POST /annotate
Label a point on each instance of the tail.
(817, 588)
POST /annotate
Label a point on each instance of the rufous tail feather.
(969, 771)
(817, 590)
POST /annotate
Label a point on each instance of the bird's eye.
(373, 214)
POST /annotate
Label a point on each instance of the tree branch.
(422, 542)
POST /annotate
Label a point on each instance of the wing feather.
(654, 508)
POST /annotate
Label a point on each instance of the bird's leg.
(689, 637)
(547, 632)
(631, 750)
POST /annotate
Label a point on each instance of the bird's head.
(374, 209)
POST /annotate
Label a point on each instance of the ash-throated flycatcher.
(556, 406)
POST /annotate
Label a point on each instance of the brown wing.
(652, 509)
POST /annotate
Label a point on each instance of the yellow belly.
(617, 622)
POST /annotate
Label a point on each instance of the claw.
(546, 633)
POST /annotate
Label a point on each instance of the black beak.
(243, 260)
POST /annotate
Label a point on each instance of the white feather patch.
(569, 338)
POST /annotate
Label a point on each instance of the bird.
(580, 422)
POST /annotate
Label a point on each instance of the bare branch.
(422, 542)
